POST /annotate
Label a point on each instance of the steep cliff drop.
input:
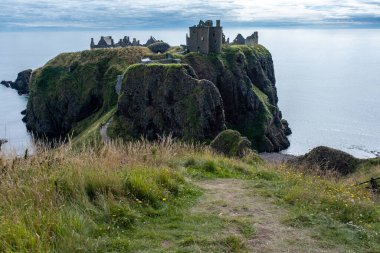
(194, 100)
(245, 78)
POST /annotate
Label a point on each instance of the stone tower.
(205, 38)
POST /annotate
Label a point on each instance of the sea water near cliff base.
(328, 81)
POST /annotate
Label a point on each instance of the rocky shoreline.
(22, 82)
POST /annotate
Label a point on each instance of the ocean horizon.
(326, 80)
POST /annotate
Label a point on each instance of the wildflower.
(164, 199)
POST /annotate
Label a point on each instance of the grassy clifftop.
(168, 196)
(75, 86)
(73, 91)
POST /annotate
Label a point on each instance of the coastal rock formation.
(194, 100)
(245, 78)
(75, 86)
(231, 143)
(168, 99)
(329, 159)
(21, 84)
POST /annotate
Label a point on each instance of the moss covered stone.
(329, 159)
(245, 78)
(163, 99)
(231, 143)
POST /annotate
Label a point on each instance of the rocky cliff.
(22, 82)
(193, 100)
(74, 89)
(163, 99)
(245, 78)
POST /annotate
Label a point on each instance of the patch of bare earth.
(233, 198)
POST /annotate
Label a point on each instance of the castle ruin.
(205, 38)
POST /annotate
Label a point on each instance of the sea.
(328, 81)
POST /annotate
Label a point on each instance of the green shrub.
(231, 143)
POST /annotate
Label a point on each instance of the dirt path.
(236, 198)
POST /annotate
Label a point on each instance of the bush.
(231, 143)
(159, 47)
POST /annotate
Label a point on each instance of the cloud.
(121, 14)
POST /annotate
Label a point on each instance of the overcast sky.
(128, 14)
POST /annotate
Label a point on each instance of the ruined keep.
(108, 42)
(249, 41)
(205, 38)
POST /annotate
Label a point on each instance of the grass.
(140, 196)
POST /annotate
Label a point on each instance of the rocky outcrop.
(75, 86)
(245, 78)
(168, 99)
(231, 143)
(328, 159)
(22, 82)
(194, 101)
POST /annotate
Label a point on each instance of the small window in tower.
(213, 34)
(202, 38)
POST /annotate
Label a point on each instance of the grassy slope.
(153, 197)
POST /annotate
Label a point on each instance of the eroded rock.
(168, 99)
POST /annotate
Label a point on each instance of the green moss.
(231, 143)
(77, 89)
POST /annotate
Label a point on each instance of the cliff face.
(246, 81)
(75, 86)
(167, 99)
(194, 100)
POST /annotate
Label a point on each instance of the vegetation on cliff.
(245, 78)
(75, 86)
(170, 196)
(72, 92)
(159, 99)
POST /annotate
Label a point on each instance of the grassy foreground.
(153, 197)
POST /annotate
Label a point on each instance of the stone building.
(253, 39)
(250, 40)
(104, 42)
(205, 38)
(108, 42)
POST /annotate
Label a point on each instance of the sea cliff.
(74, 90)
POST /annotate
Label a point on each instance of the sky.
(137, 14)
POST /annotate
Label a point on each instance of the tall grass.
(60, 199)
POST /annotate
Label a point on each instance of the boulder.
(163, 99)
(22, 82)
(329, 159)
(231, 143)
(159, 47)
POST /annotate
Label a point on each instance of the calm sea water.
(328, 81)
